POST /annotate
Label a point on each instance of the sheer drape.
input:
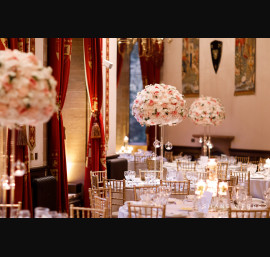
(59, 57)
(96, 153)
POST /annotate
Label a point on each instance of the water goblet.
(42, 212)
(24, 214)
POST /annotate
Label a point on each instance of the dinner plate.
(258, 201)
(257, 176)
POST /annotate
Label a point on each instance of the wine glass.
(126, 174)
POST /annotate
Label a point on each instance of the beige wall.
(75, 112)
(247, 117)
(74, 115)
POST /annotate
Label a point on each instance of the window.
(137, 135)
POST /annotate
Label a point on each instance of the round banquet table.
(174, 209)
(177, 208)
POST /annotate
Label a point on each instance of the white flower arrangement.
(207, 110)
(159, 104)
(27, 89)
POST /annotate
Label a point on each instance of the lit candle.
(200, 187)
(212, 186)
(212, 169)
(223, 188)
(125, 140)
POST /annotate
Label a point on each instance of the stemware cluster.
(129, 175)
(156, 196)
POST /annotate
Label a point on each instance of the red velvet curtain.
(150, 67)
(96, 152)
(59, 57)
(23, 190)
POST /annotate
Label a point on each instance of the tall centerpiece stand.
(27, 97)
(206, 111)
(159, 105)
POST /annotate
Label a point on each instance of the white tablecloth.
(177, 208)
(258, 187)
(174, 209)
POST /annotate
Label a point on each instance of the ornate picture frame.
(190, 67)
(245, 66)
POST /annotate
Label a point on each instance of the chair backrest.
(137, 190)
(146, 211)
(103, 204)
(139, 162)
(177, 187)
(186, 165)
(10, 210)
(248, 213)
(143, 173)
(97, 178)
(262, 160)
(151, 164)
(242, 177)
(201, 175)
(85, 212)
(243, 159)
(118, 191)
(102, 192)
(222, 170)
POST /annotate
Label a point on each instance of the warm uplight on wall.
(69, 166)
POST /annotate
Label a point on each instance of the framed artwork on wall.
(190, 67)
(245, 66)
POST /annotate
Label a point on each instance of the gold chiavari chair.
(137, 190)
(103, 204)
(97, 178)
(177, 187)
(118, 194)
(139, 162)
(151, 164)
(201, 175)
(142, 173)
(102, 192)
(262, 160)
(261, 164)
(222, 170)
(146, 211)
(242, 177)
(85, 212)
(168, 156)
(10, 210)
(243, 159)
(186, 167)
(248, 213)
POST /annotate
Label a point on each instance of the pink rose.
(48, 110)
(151, 103)
(33, 59)
(164, 105)
(23, 91)
(3, 108)
(32, 83)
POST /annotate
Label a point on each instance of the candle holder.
(206, 141)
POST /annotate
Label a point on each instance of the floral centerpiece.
(27, 89)
(159, 104)
(207, 110)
